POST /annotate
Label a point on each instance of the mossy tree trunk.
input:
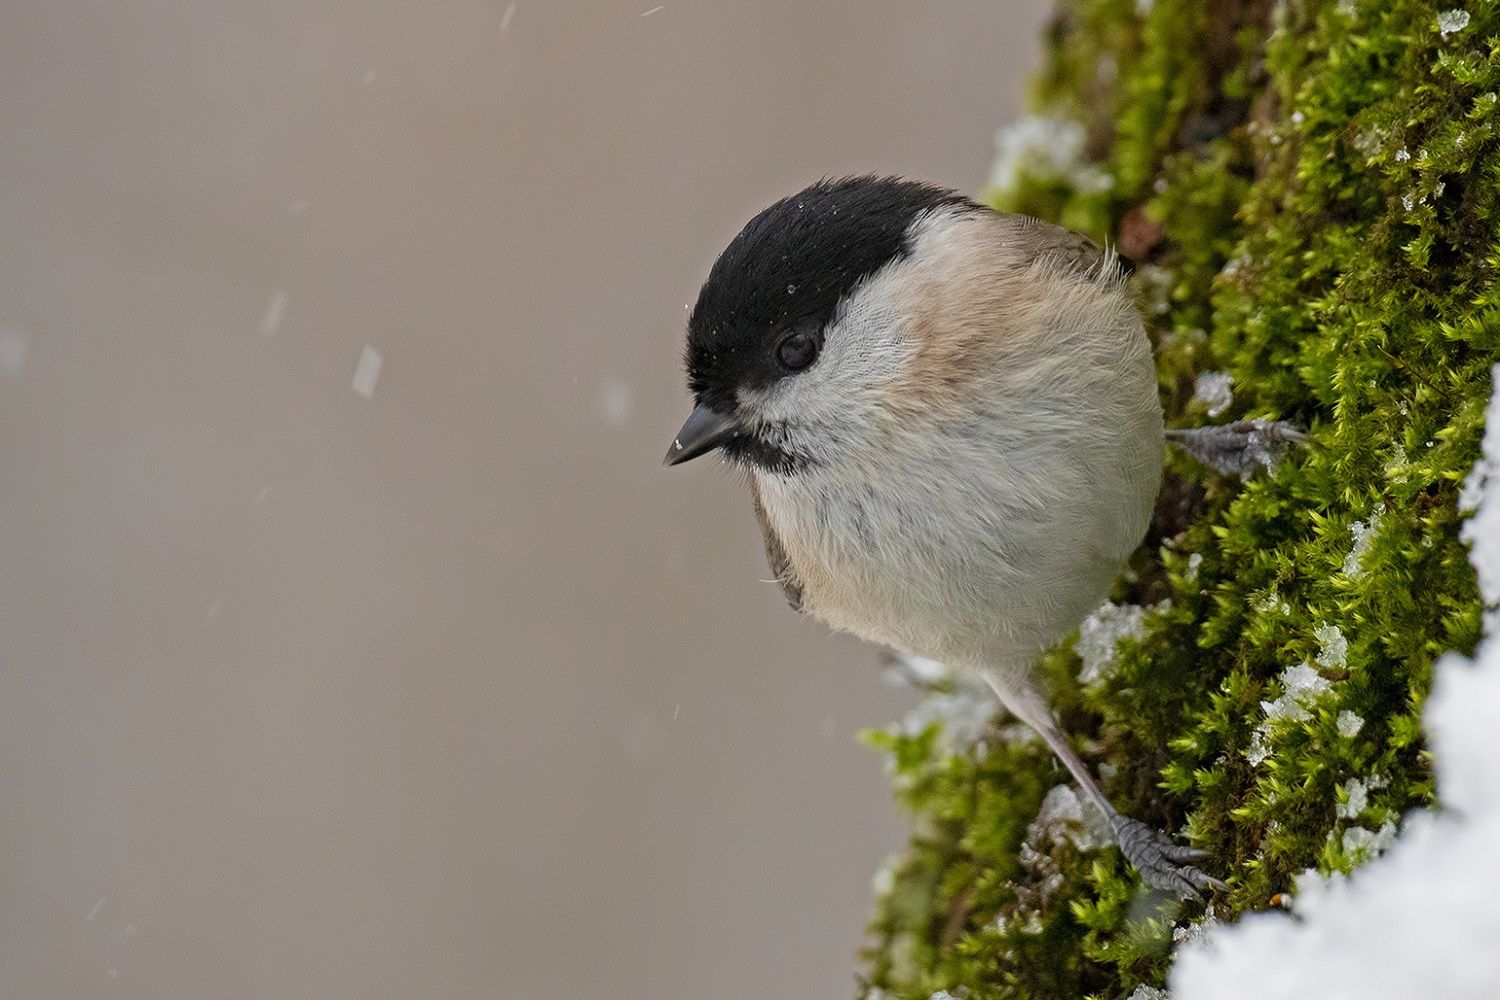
(1309, 191)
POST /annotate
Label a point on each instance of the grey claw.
(1163, 864)
(1241, 447)
(1184, 854)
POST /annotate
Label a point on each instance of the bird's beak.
(704, 431)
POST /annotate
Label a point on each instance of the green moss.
(1311, 190)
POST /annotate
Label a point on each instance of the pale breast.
(1016, 469)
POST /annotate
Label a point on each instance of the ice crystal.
(1450, 21)
(1363, 535)
(1064, 819)
(1349, 724)
(1301, 687)
(1100, 631)
(1214, 390)
(1335, 648)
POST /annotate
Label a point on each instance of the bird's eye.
(797, 349)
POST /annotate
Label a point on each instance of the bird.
(949, 423)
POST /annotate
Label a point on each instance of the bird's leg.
(1241, 447)
(1162, 864)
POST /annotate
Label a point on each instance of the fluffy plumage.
(977, 448)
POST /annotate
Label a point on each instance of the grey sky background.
(451, 691)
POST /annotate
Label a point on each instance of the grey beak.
(704, 431)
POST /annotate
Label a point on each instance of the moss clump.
(1312, 193)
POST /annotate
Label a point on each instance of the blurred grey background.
(438, 686)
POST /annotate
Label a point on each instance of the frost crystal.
(1144, 992)
(1349, 724)
(1100, 631)
(1335, 651)
(1450, 21)
(1301, 687)
(1213, 389)
(1063, 819)
(1235, 266)
(1370, 142)
(1273, 602)
(917, 671)
(1358, 798)
(1402, 155)
(1194, 561)
(964, 715)
(1155, 284)
(1398, 457)
(1199, 931)
(1045, 148)
(1364, 535)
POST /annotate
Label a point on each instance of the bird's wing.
(781, 563)
(1067, 249)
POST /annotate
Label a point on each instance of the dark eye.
(797, 349)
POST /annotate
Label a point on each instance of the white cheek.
(836, 401)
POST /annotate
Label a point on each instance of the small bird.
(950, 424)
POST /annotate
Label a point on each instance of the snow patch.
(960, 703)
(1361, 845)
(1045, 148)
(1419, 921)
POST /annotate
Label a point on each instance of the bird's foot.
(1162, 864)
(1241, 447)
